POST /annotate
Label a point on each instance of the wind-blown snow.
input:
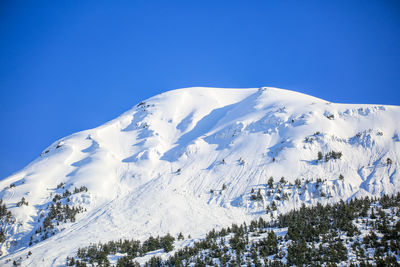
(150, 171)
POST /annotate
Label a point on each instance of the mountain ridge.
(188, 160)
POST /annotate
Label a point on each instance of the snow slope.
(152, 169)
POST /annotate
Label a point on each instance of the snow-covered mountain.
(192, 159)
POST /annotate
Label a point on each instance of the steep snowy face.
(192, 159)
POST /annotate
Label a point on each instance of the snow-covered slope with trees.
(193, 159)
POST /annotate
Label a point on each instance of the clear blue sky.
(67, 66)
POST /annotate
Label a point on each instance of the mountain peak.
(191, 159)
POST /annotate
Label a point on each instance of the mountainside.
(193, 159)
(360, 232)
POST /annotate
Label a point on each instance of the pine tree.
(320, 155)
(271, 182)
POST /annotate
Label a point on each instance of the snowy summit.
(192, 159)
